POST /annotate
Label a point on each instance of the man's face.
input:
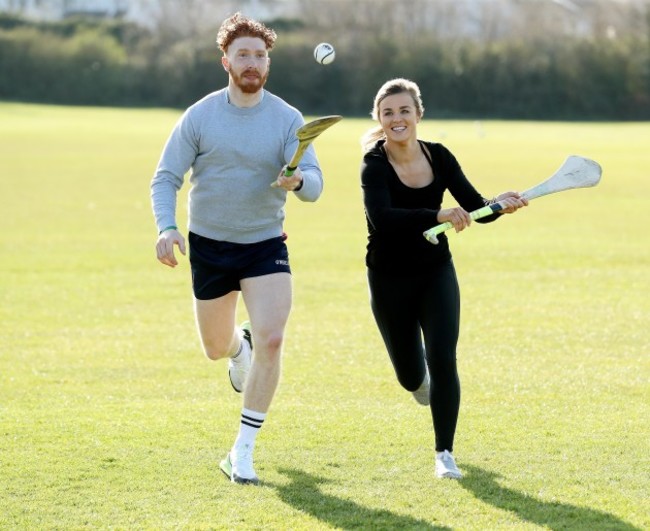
(247, 61)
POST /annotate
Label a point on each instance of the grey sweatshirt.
(235, 154)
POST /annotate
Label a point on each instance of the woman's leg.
(439, 314)
(394, 306)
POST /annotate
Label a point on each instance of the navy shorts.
(218, 267)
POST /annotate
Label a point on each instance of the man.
(235, 141)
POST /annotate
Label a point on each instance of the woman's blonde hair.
(390, 88)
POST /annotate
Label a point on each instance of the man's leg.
(215, 320)
(268, 301)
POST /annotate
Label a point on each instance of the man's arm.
(177, 158)
(165, 246)
(311, 186)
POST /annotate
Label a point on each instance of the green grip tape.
(431, 234)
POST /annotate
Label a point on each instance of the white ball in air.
(324, 53)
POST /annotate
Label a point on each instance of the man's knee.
(269, 345)
(216, 350)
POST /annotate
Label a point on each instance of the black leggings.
(427, 306)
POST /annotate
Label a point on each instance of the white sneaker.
(239, 367)
(446, 466)
(421, 394)
(238, 465)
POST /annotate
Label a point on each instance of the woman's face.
(398, 117)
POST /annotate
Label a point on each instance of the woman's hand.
(458, 217)
(511, 202)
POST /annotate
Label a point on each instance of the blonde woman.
(414, 292)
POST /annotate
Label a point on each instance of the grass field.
(110, 416)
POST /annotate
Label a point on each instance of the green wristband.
(168, 228)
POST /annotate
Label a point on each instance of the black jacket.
(397, 214)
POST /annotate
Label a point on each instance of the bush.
(94, 62)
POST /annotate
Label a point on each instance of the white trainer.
(241, 458)
(446, 466)
(421, 394)
(239, 367)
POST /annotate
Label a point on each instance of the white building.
(147, 12)
(60, 9)
(483, 19)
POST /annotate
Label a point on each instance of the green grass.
(110, 417)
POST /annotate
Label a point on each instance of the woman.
(413, 287)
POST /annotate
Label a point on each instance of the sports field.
(110, 416)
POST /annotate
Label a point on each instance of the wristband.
(168, 228)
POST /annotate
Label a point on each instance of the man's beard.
(247, 86)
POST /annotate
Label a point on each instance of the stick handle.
(288, 171)
(431, 234)
(293, 163)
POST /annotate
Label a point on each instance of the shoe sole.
(423, 401)
(244, 481)
(449, 475)
(232, 384)
(246, 327)
(422, 395)
(226, 468)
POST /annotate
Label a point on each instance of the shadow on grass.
(303, 493)
(550, 515)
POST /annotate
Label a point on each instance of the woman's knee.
(444, 368)
(411, 377)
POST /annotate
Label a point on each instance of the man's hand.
(288, 183)
(165, 247)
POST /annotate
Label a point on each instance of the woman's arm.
(379, 205)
